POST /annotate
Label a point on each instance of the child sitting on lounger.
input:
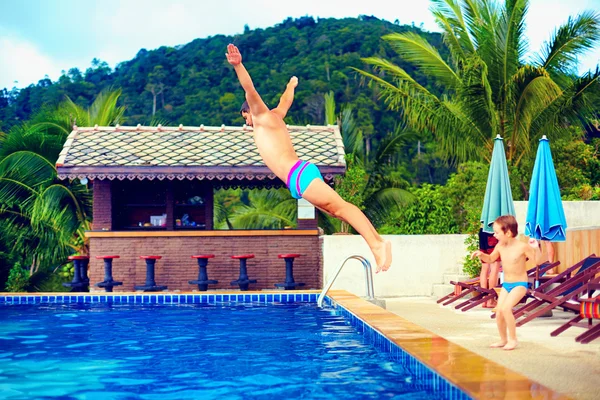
(303, 179)
(488, 278)
(514, 253)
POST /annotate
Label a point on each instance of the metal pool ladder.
(368, 279)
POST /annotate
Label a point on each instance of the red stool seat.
(78, 257)
(244, 256)
(289, 255)
(103, 257)
(150, 257)
(204, 256)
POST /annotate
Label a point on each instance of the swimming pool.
(201, 346)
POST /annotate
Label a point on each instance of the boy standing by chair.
(514, 254)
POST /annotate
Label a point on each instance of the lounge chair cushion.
(590, 309)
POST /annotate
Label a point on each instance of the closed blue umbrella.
(545, 214)
(498, 199)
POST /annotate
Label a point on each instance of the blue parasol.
(545, 215)
(498, 199)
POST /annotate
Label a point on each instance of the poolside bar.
(153, 195)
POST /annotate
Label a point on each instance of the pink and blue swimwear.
(300, 176)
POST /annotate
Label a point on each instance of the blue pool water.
(224, 351)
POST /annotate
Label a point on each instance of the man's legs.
(287, 98)
(321, 195)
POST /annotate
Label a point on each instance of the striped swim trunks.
(300, 176)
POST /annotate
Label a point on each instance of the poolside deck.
(559, 363)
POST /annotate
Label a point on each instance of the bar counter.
(177, 267)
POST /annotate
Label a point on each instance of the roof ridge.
(201, 128)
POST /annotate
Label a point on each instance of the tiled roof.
(188, 152)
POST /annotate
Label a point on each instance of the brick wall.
(177, 267)
(102, 210)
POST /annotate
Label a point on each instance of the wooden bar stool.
(243, 280)
(108, 282)
(203, 280)
(289, 283)
(150, 285)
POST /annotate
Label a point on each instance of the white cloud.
(23, 62)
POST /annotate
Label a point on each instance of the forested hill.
(193, 84)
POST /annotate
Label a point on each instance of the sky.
(45, 37)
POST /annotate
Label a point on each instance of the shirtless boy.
(303, 179)
(514, 253)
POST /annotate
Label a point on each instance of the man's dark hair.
(245, 108)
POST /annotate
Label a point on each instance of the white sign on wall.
(305, 210)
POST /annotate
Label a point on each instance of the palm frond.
(450, 19)
(380, 204)
(351, 136)
(574, 38)
(329, 108)
(415, 49)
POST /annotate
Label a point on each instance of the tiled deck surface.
(558, 363)
(480, 377)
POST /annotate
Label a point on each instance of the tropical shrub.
(18, 279)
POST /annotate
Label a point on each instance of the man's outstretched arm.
(234, 57)
(287, 98)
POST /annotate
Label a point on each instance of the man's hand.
(233, 55)
(533, 243)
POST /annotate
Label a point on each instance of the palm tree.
(266, 209)
(370, 182)
(489, 87)
(44, 218)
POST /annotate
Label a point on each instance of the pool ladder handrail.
(368, 279)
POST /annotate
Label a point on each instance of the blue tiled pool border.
(428, 377)
(163, 298)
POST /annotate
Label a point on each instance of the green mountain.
(193, 84)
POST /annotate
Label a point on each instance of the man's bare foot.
(498, 344)
(293, 82)
(383, 255)
(510, 345)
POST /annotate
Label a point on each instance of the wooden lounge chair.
(491, 294)
(482, 295)
(570, 282)
(589, 308)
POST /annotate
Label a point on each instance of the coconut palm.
(374, 186)
(489, 87)
(43, 217)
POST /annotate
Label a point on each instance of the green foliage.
(51, 280)
(192, 84)
(489, 89)
(352, 185)
(44, 218)
(472, 267)
(465, 191)
(18, 279)
(430, 214)
(254, 209)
